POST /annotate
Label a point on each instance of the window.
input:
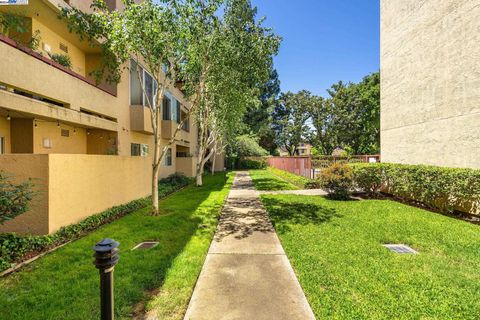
(166, 108)
(186, 123)
(168, 158)
(178, 112)
(139, 150)
(135, 149)
(135, 86)
(136, 93)
(2, 145)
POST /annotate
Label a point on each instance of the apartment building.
(87, 147)
(430, 83)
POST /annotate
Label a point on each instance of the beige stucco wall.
(82, 185)
(74, 143)
(73, 187)
(51, 38)
(430, 82)
(21, 167)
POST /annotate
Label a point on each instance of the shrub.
(14, 198)
(368, 178)
(313, 184)
(444, 189)
(62, 59)
(175, 179)
(252, 164)
(247, 146)
(337, 180)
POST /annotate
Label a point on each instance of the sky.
(324, 41)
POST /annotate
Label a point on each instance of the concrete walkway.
(246, 274)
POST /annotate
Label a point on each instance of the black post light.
(106, 257)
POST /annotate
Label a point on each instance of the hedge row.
(15, 248)
(444, 189)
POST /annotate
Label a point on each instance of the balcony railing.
(110, 89)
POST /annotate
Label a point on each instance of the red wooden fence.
(308, 167)
(301, 166)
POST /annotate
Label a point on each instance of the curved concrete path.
(246, 274)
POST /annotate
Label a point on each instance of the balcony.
(29, 72)
(140, 119)
(183, 137)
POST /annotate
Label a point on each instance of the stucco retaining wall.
(73, 187)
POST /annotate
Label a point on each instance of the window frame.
(168, 158)
(145, 74)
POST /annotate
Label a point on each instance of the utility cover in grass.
(145, 245)
(400, 248)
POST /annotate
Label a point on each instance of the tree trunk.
(199, 179)
(213, 164)
(199, 171)
(155, 175)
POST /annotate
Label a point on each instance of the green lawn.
(268, 180)
(64, 284)
(336, 250)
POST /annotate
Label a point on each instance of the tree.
(321, 137)
(355, 115)
(348, 118)
(238, 60)
(290, 119)
(247, 146)
(258, 118)
(160, 35)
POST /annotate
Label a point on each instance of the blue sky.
(324, 41)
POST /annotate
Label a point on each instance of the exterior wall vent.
(63, 47)
(65, 133)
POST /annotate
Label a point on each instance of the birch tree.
(237, 63)
(158, 35)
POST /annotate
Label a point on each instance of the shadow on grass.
(287, 213)
(271, 184)
(64, 284)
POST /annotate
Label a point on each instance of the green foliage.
(14, 198)
(11, 22)
(444, 189)
(258, 118)
(62, 59)
(368, 177)
(247, 146)
(349, 118)
(290, 119)
(298, 181)
(176, 179)
(13, 247)
(313, 184)
(337, 180)
(246, 164)
(16, 28)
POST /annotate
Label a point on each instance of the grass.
(298, 181)
(267, 180)
(64, 284)
(336, 250)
